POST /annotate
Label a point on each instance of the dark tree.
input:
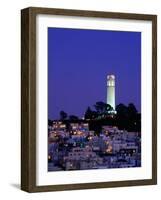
(122, 110)
(128, 118)
(122, 116)
(133, 117)
(90, 114)
(108, 107)
(73, 118)
(100, 107)
(132, 111)
(63, 115)
(50, 122)
(94, 114)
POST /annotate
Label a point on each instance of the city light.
(83, 144)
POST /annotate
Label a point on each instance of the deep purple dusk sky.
(78, 64)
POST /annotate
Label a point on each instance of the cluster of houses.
(75, 147)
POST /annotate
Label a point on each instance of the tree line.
(126, 117)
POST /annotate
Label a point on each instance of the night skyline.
(79, 62)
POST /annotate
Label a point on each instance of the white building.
(82, 158)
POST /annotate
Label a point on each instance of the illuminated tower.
(111, 91)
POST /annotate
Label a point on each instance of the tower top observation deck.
(111, 77)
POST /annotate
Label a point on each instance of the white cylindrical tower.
(111, 91)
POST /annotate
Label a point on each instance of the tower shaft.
(111, 91)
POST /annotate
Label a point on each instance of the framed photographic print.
(89, 99)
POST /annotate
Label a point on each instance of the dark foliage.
(127, 117)
(63, 115)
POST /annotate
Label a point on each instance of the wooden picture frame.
(28, 98)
